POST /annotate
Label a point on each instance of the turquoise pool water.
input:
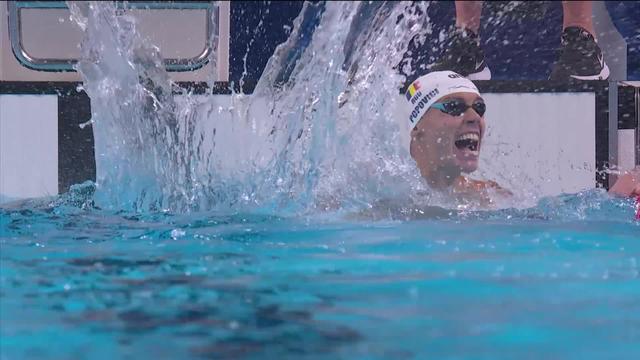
(560, 280)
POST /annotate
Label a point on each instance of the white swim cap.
(428, 89)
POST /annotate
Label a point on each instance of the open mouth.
(468, 141)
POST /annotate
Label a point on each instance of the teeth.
(469, 136)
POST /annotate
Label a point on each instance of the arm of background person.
(628, 184)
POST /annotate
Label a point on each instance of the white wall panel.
(543, 143)
(28, 146)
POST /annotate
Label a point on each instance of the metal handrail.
(637, 101)
(47, 64)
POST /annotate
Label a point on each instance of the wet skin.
(433, 142)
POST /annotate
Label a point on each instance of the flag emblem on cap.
(413, 88)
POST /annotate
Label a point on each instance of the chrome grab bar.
(45, 64)
(637, 100)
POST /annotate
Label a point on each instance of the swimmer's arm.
(628, 184)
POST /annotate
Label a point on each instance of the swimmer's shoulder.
(483, 186)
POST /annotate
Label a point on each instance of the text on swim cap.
(421, 104)
(416, 97)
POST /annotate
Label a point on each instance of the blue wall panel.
(626, 18)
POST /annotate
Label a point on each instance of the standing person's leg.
(578, 13)
(462, 52)
(581, 57)
(468, 15)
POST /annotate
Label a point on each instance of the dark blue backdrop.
(521, 43)
(626, 18)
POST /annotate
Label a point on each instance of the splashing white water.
(326, 138)
(143, 136)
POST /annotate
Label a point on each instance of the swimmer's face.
(444, 141)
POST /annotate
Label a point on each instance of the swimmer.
(446, 126)
(444, 130)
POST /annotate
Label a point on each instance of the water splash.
(320, 131)
(143, 136)
(290, 145)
